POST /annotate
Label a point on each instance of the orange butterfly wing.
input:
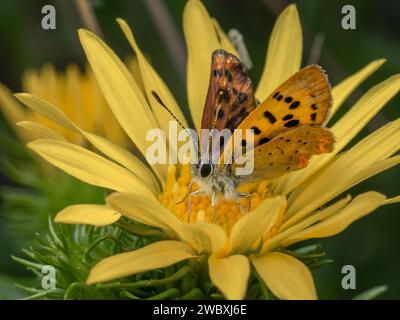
(230, 97)
(304, 99)
(290, 151)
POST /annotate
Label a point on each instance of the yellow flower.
(75, 93)
(284, 211)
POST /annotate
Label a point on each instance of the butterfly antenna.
(157, 97)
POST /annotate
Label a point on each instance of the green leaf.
(372, 293)
(8, 289)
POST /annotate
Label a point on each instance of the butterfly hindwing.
(230, 97)
(290, 151)
(302, 100)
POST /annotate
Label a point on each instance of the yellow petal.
(287, 277)
(363, 111)
(147, 211)
(319, 215)
(342, 90)
(206, 237)
(230, 275)
(392, 200)
(344, 131)
(126, 159)
(88, 166)
(154, 256)
(12, 110)
(249, 229)
(104, 119)
(152, 81)
(374, 169)
(226, 44)
(201, 41)
(45, 109)
(73, 94)
(96, 215)
(202, 237)
(120, 91)
(334, 224)
(284, 52)
(113, 151)
(133, 66)
(366, 158)
(40, 130)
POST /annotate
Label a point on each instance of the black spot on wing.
(241, 98)
(235, 106)
(264, 140)
(228, 75)
(226, 95)
(294, 105)
(243, 113)
(257, 131)
(288, 117)
(271, 118)
(288, 99)
(313, 116)
(291, 123)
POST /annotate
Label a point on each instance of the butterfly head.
(205, 170)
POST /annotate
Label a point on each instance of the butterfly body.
(287, 127)
(219, 180)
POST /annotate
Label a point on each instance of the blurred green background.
(371, 245)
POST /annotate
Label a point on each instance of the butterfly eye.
(205, 170)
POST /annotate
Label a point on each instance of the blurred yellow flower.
(75, 93)
(283, 211)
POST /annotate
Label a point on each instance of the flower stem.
(167, 294)
(71, 288)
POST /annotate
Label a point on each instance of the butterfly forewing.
(230, 96)
(302, 100)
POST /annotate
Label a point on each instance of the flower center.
(226, 212)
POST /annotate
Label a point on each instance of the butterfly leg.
(190, 202)
(213, 202)
(189, 189)
(246, 195)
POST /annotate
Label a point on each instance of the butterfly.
(288, 127)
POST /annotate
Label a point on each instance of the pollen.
(175, 197)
